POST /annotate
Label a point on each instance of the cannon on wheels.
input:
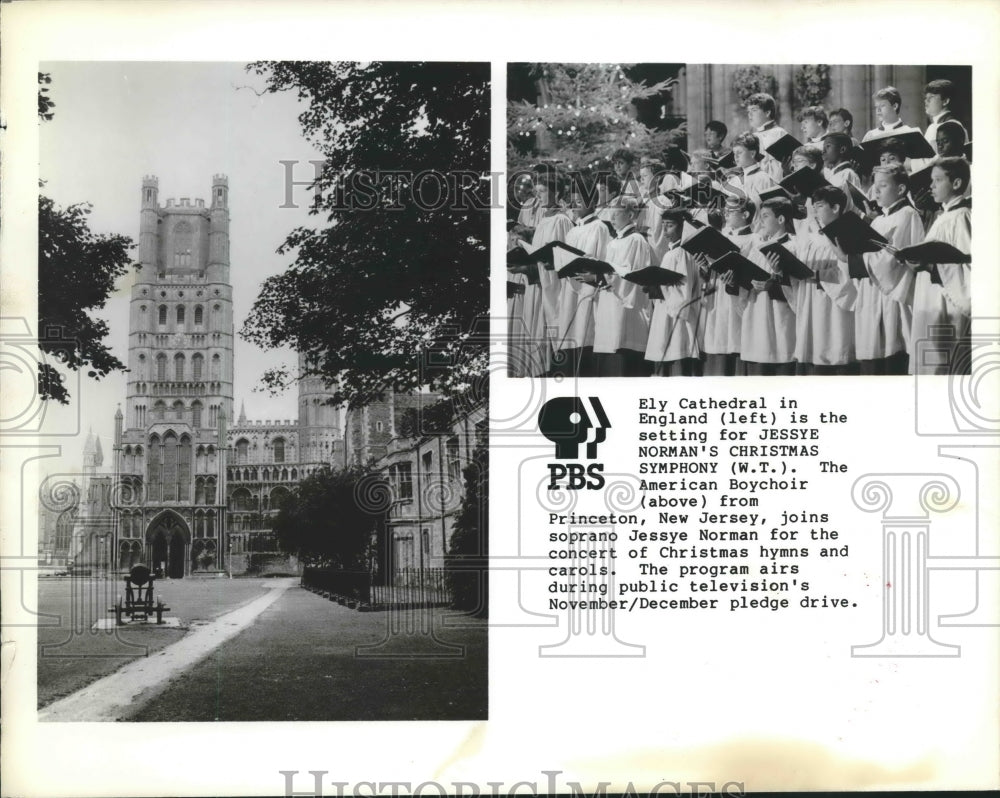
(138, 599)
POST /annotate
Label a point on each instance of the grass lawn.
(71, 654)
(298, 661)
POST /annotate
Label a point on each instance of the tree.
(583, 114)
(397, 279)
(77, 270)
(468, 550)
(330, 516)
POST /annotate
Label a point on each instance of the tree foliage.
(77, 270)
(396, 276)
(584, 113)
(326, 521)
(468, 550)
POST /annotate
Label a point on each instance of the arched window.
(216, 368)
(184, 469)
(242, 447)
(199, 490)
(198, 314)
(162, 315)
(196, 414)
(242, 500)
(180, 314)
(161, 366)
(196, 363)
(278, 450)
(210, 524)
(178, 408)
(178, 367)
(210, 490)
(141, 368)
(160, 411)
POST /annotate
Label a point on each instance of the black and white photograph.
(738, 220)
(307, 486)
(274, 505)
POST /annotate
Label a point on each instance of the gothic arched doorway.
(168, 539)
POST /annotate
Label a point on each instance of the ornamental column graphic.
(905, 501)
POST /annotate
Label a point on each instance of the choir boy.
(883, 308)
(842, 121)
(937, 105)
(621, 315)
(839, 169)
(942, 302)
(888, 102)
(824, 322)
(672, 346)
(761, 114)
(715, 137)
(553, 226)
(814, 125)
(751, 179)
(767, 336)
(575, 342)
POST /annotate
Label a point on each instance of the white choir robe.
(824, 323)
(897, 128)
(951, 302)
(883, 310)
(840, 176)
(531, 213)
(673, 329)
(554, 227)
(576, 298)
(650, 220)
(621, 317)
(721, 312)
(768, 325)
(767, 136)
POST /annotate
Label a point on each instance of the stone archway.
(168, 541)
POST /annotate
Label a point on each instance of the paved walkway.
(113, 696)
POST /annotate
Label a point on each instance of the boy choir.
(801, 289)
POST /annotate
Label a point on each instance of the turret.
(148, 218)
(218, 236)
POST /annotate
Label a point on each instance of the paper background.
(778, 703)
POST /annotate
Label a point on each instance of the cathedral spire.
(243, 413)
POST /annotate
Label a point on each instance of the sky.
(183, 122)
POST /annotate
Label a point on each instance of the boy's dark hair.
(955, 128)
(816, 112)
(944, 89)
(742, 204)
(716, 219)
(895, 147)
(782, 206)
(890, 93)
(747, 141)
(896, 172)
(831, 195)
(763, 101)
(844, 114)
(718, 127)
(841, 140)
(674, 160)
(956, 168)
(623, 154)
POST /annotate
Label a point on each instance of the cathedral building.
(191, 490)
(197, 489)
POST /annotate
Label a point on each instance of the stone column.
(905, 501)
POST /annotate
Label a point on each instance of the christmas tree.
(584, 112)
